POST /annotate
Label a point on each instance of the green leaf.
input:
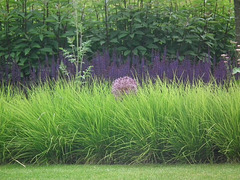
(114, 40)
(12, 55)
(132, 35)
(155, 39)
(102, 42)
(135, 51)
(137, 26)
(41, 37)
(34, 56)
(122, 48)
(35, 45)
(127, 52)
(26, 51)
(22, 61)
(139, 32)
(94, 39)
(1, 54)
(141, 48)
(189, 41)
(122, 35)
(20, 46)
(190, 53)
(68, 33)
(152, 46)
(46, 49)
(235, 70)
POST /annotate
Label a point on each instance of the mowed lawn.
(128, 172)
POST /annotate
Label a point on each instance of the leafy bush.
(138, 31)
(31, 30)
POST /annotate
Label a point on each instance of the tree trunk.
(237, 19)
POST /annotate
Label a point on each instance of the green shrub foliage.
(30, 30)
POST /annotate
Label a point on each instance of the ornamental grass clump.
(124, 85)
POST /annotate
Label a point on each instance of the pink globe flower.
(124, 85)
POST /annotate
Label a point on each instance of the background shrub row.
(30, 30)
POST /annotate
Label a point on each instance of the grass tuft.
(163, 123)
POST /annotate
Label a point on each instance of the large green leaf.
(46, 50)
(114, 40)
(127, 52)
(235, 70)
(26, 51)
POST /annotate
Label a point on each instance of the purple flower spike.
(124, 85)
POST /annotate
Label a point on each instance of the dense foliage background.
(31, 30)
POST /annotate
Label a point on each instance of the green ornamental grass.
(64, 122)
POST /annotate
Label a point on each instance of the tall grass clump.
(163, 122)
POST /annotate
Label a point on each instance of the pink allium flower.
(124, 85)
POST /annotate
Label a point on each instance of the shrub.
(129, 27)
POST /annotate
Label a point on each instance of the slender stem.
(77, 34)
(237, 19)
(25, 15)
(106, 22)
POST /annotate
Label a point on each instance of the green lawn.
(203, 171)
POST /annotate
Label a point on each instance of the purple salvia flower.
(197, 70)
(207, 71)
(165, 54)
(96, 69)
(163, 68)
(113, 71)
(156, 65)
(114, 57)
(181, 74)
(46, 61)
(43, 74)
(53, 69)
(142, 67)
(220, 72)
(107, 58)
(16, 74)
(188, 69)
(214, 61)
(103, 62)
(127, 66)
(32, 75)
(173, 68)
(177, 56)
(209, 55)
(6, 73)
(1, 75)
